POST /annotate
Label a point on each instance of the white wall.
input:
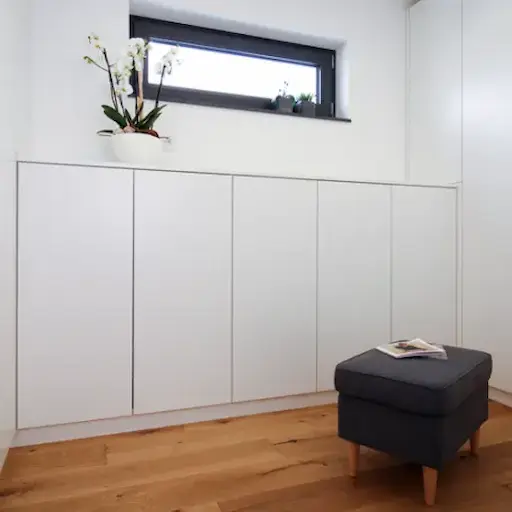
(487, 182)
(435, 91)
(11, 18)
(66, 95)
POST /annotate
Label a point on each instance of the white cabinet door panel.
(274, 294)
(424, 274)
(487, 184)
(75, 294)
(183, 250)
(354, 271)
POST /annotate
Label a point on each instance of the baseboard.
(159, 420)
(500, 396)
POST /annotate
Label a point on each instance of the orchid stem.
(121, 102)
(111, 80)
(92, 61)
(160, 87)
(141, 88)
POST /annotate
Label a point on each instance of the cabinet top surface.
(143, 167)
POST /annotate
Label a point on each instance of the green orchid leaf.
(148, 122)
(152, 113)
(115, 116)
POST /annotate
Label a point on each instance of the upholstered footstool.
(417, 409)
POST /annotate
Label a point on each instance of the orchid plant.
(126, 71)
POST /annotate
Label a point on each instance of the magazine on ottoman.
(413, 348)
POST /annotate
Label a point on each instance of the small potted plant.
(305, 104)
(134, 140)
(284, 102)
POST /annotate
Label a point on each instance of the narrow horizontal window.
(234, 70)
(230, 73)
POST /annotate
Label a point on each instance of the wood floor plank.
(269, 463)
(208, 507)
(82, 482)
(33, 460)
(496, 409)
(399, 486)
(497, 430)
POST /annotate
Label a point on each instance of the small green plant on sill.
(306, 96)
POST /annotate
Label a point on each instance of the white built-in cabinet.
(236, 288)
(182, 293)
(274, 287)
(354, 272)
(487, 185)
(424, 264)
(460, 119)
(75, 294)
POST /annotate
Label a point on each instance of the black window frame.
(240, 44)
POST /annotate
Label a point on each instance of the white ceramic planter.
(137, 148)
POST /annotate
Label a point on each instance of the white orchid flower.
(132, 52)
(136, 52)
(123, 89)
(95, 41)
(159, 67)
(137, 49)
(138, 63)
(168, 60)
(124, 67)
(138, 43)
(170, 56)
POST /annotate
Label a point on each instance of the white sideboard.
(239, 288)
(354, 272)
(75, 294)
(182, 294)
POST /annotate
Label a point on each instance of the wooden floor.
(289, 461)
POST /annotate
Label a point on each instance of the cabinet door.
(424, 264)
(7, 304)
(354, 270)
(274, 294)
(75, 294)
(487, 184)
(183, 232)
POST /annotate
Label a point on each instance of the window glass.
(231, 73)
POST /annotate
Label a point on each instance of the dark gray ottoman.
(420, 410)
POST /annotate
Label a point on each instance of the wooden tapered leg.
(353, 458)
(475, 442)
(430, 485)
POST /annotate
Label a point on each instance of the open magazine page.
(413, 348)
